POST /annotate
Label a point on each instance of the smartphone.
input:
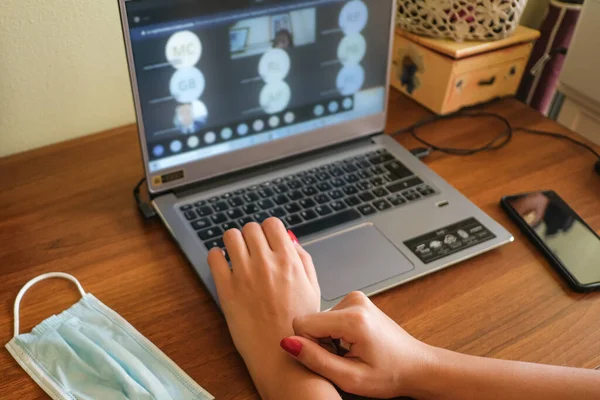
(569, 244)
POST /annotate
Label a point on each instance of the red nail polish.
(293, 237)
(292, 346)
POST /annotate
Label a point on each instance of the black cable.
(144, 207)
(560, 136)
(496, 143)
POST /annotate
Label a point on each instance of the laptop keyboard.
(313, 200)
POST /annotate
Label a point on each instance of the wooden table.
(68, 207)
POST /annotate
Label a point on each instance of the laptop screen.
(215, 77)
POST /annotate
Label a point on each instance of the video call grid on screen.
(226, 80)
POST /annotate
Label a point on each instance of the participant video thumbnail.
(282, 31)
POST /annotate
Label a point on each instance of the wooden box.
(445, 76)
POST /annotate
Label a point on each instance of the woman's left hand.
(272, 280)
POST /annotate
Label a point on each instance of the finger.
(277, 236)
(236, 248)
(309, 266)
(334, 324)
(350, 300)
(219, 269)
(255, 239)
(346, 373)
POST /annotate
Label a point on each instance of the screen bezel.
(556, 262)
(200, 170)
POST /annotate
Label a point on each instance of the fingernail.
(292, 346)
(293, 237)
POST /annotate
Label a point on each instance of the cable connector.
(144, 207)
(421, 152)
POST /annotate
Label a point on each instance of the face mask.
(90, 352)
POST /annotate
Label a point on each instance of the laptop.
(250, 109)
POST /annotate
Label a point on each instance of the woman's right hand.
(384, 361)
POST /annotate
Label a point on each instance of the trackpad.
(355, 259)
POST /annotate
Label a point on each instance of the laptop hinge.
(248, 173)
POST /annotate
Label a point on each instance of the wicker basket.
(461, 19)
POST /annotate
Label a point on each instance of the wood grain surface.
(68, 207)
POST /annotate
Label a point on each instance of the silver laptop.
(249, 109)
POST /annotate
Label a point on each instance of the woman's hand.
(272, 280)
(384, 361)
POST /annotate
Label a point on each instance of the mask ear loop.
(35, 280)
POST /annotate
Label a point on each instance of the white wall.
(62, 71)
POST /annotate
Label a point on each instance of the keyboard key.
(411, 196)
(213, 199)
(278, 212)
(391, 178)
(380, 192)
(251, 209)
(364, 185)
(226, 196)
(426, 191)
(338, 183)
(200, 203)
(398, 169)
(235, 213)
(236, 202)
(261, 216)
(218, 218)
(266, 204)
(398, 186)
(323, 210)
(264, 193)
(309, 191)
(250, 197)
(308, 215)
(309, 180)
(240, 191)
(336, 194)
(323, 176)
(190, 215)
(363, 164)
(253, 188)
(280, 199)
(366, 196)
(229, 225)
(382, 205)
(186, 207)
(350, 190)
(244, 220)
(378, 170)
(322, 198)
(307, 203)
(367, 209)
(204, 211)
(281, 188)
(378, 181)
(324, 186)
(352, 201)
(351, 178)
(220, 206)
(350, 168)
(214, 243)
(337, 205)
(364, 174)
(381, 158)
(266, 184)
(293, 220)
(295, 184)
(210, 233)
(326, 223)
(336, 172)
(396, 200)
(292, 208)
(295, 195)
(201, 224)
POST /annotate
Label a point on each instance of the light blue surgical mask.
(90, 352)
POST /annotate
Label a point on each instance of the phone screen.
(563, 232)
